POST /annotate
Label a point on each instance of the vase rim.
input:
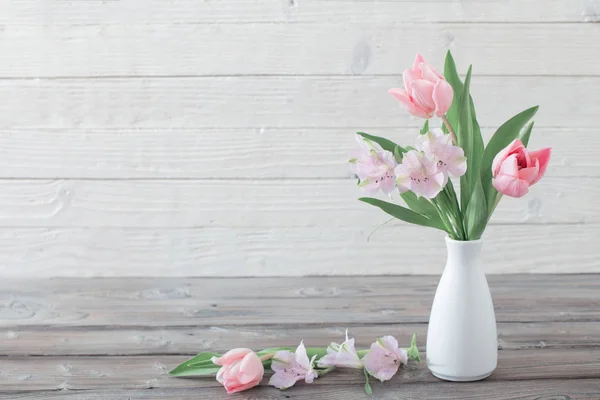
(463, 242)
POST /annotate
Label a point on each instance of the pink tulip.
(241, 369)
(515, 169)
(425, 91)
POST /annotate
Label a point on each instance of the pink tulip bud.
(241, 369)
(425, 92)
(515, 169)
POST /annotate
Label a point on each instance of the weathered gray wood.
(136, 372)
(136, 12)
(265, 203)
(292, 49)
(65, 341)
(340, 301)
(289, 101)
(397, 248)
(547, 389)
(239, 153)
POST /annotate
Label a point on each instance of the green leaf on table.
(476, 215)
(200, 365)
(398, 154)
(383, 142)
(470, 140)
(368, 389)
(425, 128)
(413, 350)
(402, 213)
(503, 136)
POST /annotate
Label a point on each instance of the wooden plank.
(295, 49)
(235, 153)
(306, 101)
(189, 302)
(65, 341)
(248, 203)
(93, 373)
(395, 249)
(571, 389)
(90, 12)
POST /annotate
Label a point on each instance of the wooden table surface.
(117, 338)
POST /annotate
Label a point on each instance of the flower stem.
(449, 127)
(267, 357)
(325, 371)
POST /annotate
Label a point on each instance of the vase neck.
(463, 254)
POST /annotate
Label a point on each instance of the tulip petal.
(543, 156)
(422, 95)
(442, 97)
(418, 60)
(510, 166)
(404, 98)
(230, 356)
(510, 185)
(251, 369)
(516, 145)
(409, 76)
(530, 174)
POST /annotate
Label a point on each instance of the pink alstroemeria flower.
(374, 166)
(515, 169)
(419, 173)
(291, 367)
(384, 358)
(451, 159)
(341, 355)
(241, 369)
(425, 91)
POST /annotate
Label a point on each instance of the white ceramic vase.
(462, 343)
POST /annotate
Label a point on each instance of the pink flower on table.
(451, 159)
(419, 173)
(515, 169)
(374, 166)
(290, 367)
(341, 355)
(241, 369)
(384, 358)
(425, 92)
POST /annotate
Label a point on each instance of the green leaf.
(451, 75)
(526, 133)
(413, 351)
(200, 365)
(422, 206)
(471, 144)
(401, 213)
(397, 154)
(425, 128)
(476, 215)
(505, 134)
(383, 142)
(368, 389)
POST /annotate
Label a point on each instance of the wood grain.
(322, 49)
(546, 389)
(181, 340)
(307, 101)
(583, 389)
(346, 301)
(129, 12)
(134, 372)
(394, 249)
(239, 153)
(321, 203)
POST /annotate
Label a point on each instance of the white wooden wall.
(201, 137)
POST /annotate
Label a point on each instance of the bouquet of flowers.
(421, 173)
(242, 369)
